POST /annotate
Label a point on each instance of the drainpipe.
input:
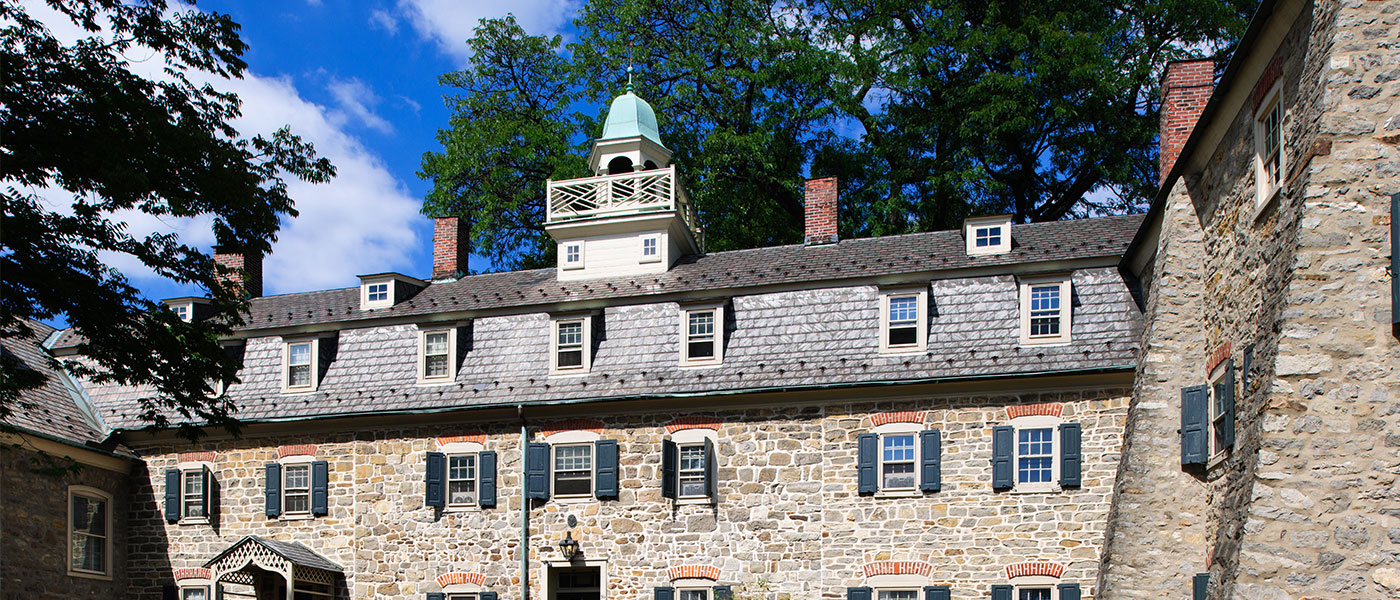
(1395, 266)
(524, 509)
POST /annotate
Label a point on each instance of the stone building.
(1198, 402)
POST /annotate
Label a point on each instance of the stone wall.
(34, 529)
(788, 520)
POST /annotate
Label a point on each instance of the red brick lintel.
(473, 438)
(898, 567)
(903, 416)
(1049, 409)
(1035, 568)
(593, 425)
(681, 423)
(1221, 353)
(181, 574)
(447, 579)
(296, 450)
(693, 572)
(205, 456)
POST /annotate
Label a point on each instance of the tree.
(928, 112)
(78, 123)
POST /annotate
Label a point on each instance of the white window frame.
(1035, 422)
(972, 226)
(287, 369)
(90, 493)
(1266, 191)
(196, 584)
(893, 429)
(920, 326)
(587, 349)
(451, 375)
(459, 591)
(564, 248)
(896, 583)
(299, 460)
(1035, 582)
(695, 437)
(878, 592)
(694, 585)
(1215, 450)
(1066, 310)
(592, 469)
(193, 468)
(367, 290)
(460, 449)
(183, 311)
(717, 357)
(642, 248)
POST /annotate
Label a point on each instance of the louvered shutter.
(537, 471)
(1001, 592)
(1200, 583)
(866, 450)
(931, 461)
(858, 593)
(1071, 457)
(487, 465)
(605, 469)
(938, 592)
(722, 592)
(172, 495)
(435, 595)
(1246, 369)
(664, 593)
(434, 473)
(1227, 435)
(320, 487)
(272, 488)
(1069, 591)
(711, 472)
(207, 493)
(670, 456)
(486, 596)
(1003, 454)
(1195, 414)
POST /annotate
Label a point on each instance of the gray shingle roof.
(294, 552)
(56, 409)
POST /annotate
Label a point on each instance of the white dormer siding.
(988, 235)
(384, 290)
(618, 254)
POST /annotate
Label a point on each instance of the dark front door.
(575, 583)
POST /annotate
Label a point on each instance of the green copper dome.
(630, 116)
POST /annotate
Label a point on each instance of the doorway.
(575, 583)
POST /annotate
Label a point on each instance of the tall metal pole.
(524, 509)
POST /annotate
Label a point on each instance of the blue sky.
(358, 80)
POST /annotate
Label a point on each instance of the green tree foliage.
(928, 112)
(78, 123)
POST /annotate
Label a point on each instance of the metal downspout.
(1395, 266)
(524, 509)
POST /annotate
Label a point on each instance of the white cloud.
(363, 221)
(357, 101)
(381, 19)
(450, 22)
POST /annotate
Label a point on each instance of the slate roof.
(57, 408)
(294, 552)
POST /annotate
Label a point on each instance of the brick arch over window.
(904, 416)
(1052, 409)
(1028, 569)
(296, 450)
(205, 456)
(183, 574)
(447, 579)
(473, 438)
(682, 423)
(898, 567)
(693, 572)
(593, 425)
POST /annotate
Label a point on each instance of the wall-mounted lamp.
(568, 546)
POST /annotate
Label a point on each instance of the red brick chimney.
(1186, 87)
(821, 211)
(249, 266)
(449, 247)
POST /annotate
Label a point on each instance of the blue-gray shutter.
(1199, 584)
(1071, 457)
(931, 461)
(866, 451)
(670, 456)
(1195, 417)
(722, 592)
(434, 474)
(664, 593)
(858, 593)
(938, 592)
(1003, 454)
(486, 495)
(320, 484)
(1246, 369)
(435, 595)
(711, 473)
(486, 596)
(1395, 265)
(1001, 592)
(211, 499)
(1069, 591)
(272, 488)
(537, 471)
(172, 495)
(1227, 438)
(605, 469)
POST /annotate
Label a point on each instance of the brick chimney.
(249, 264)
(821, 211)
(1186, 87)
(449, 247)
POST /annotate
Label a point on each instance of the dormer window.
(569, 343)
(1045, 310)
(437, 355)
(301, 359)
(189, 309)
(377, 292)
(702, 335)
(903, 319)
(384, 290)
(988, 235)
(182, 312)
(651, 248)
(573, 255)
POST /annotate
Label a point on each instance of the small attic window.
(384, 290)
(182, 312)
(988, 235)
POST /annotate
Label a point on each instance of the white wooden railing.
(638, 192)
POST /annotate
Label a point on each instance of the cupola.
(630, 141)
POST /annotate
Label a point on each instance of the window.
(189, 493)
(1035, 453)
(573, 470)
(1268, 145)
(899, 459)
(651, 248)
(1035, 593)
(1222, 398)
(1045, 311)
(188, 592)
(898, 595)
(902, 320)
(897, 462)
(377, 292)
(702, 331)
(89, 531)
(460, 596)
(570, 341)
(192, 494)
(182, 312)
(988, 235)
(692, 471)
(437, 359)
(296, 489)
(461, 480)
(300, 362)
(573, 255)
(694, 594)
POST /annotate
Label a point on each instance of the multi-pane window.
(1221, 396)
(299, 365)
(436, 355)
(1033, 594)
(694, 594)
(1045, 310)
(898, 595)
(700, 335)
(904, 320)
(986, 237)
(460, 596)
(1035, 455)
(1270, 145)
(573, 470)
(296, 489)
(182, 311)
(377, 292)
(194, 593)
(461, 479)
(692, 470)
(573, 254)
(651, 248)
(569, 348)
(193, 494)
(88, 531)
(897, 461)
